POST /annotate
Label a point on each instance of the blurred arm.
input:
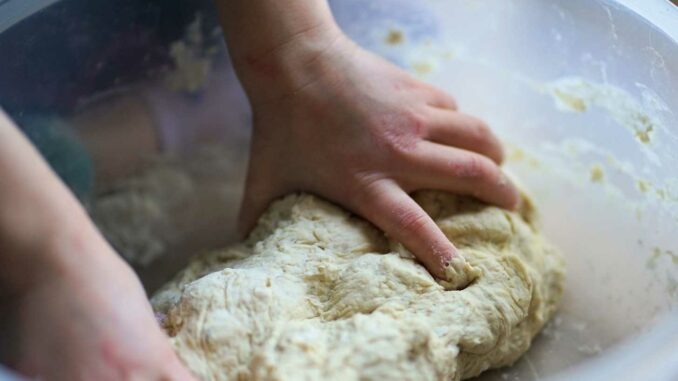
(41, 222)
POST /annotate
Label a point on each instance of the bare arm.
(37, 212)
(80, 312)
(273, 43)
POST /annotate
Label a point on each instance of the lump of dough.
(317, 293)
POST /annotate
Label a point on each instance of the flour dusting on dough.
(316, 293)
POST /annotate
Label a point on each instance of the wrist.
(275, 44)
(289, 68)
(44, 231)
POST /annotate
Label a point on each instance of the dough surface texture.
(316, 293)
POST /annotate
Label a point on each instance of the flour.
(136, 217)
(170, 202)
(316, 293)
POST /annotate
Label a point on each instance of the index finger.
(398, 215)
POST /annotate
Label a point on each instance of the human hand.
(91, 321)
(77, 310)
(349, 126)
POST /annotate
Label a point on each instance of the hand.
(79, 311)
(92, 322)
(349, 126)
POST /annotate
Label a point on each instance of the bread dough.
(316, 293)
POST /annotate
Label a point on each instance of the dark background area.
(76, 48)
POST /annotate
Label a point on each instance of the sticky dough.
(316, 293)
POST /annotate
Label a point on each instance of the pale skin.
(329, 118)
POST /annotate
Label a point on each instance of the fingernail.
(448, 257)
(503, 180)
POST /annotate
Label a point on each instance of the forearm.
(274, 42)
(40, 220)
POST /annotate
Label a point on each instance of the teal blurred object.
(64, 152)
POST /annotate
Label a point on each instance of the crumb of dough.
(643, 133)
(317, 293)
(394, 37)
(573, 102)
(597, 174)
(643, 186)
(516, 154)
(192, 58)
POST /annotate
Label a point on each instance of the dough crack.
(315, 293)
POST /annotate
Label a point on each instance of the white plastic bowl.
(585, 93)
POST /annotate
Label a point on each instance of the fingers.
(464, 131)
(435, 166)
(386, 205)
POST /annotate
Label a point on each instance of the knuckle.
(408, 221)
(363, 189)
(413, 123)
(400, 132)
